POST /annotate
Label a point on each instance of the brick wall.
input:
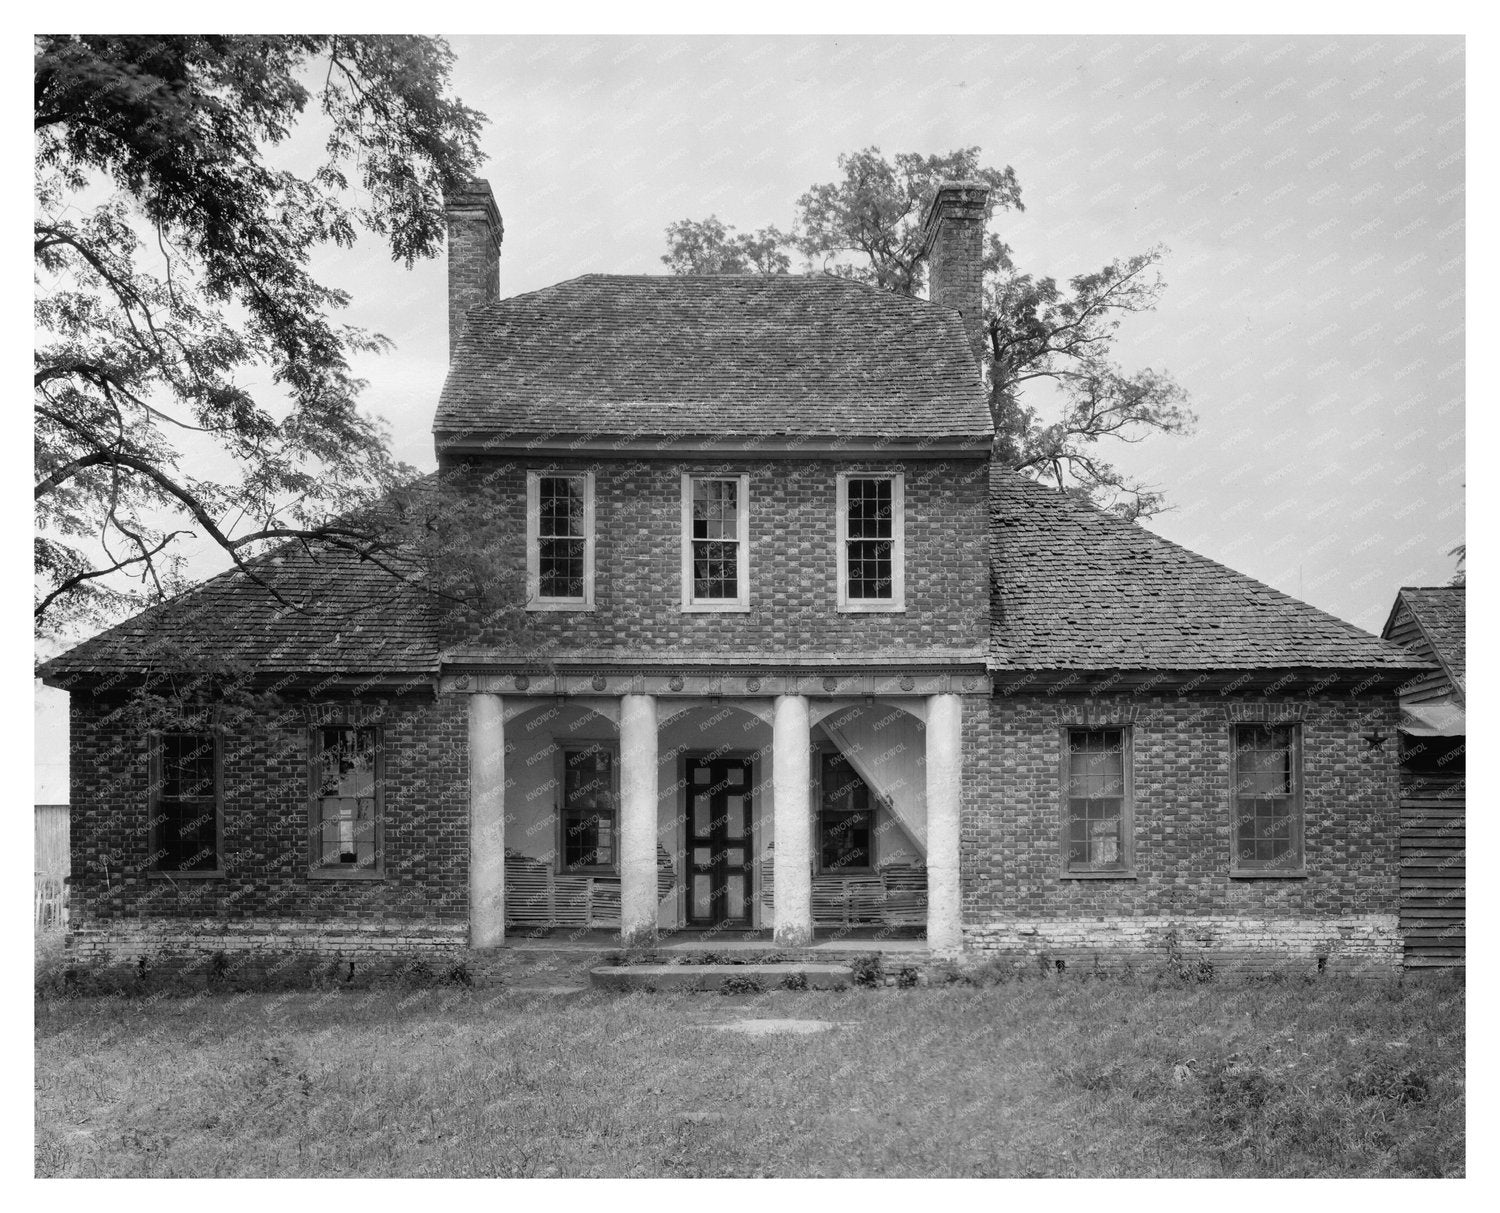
(266, 811)
(474, 238)
(1016, 901)
(955, 256)
(793, 571)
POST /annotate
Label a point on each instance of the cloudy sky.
(1310, 189)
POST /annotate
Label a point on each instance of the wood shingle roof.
(1439, 611)
(1074, 587)
(787, 355)
(351, 618)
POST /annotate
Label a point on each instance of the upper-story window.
(560, 541)
(716, 543)
(871, 542)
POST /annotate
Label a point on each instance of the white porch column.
(791, 807)
(944, 782)
(638, 797)
(486, 821)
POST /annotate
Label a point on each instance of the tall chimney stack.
(474, 236)
(953, 243)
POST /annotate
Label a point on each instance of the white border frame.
(712, 605)
(534, 600)
(897, 602)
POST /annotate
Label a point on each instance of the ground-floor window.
(347, 800)
(590, 808)
(1267, 783)
(1096, 812)
(184, 835)
(846, 816)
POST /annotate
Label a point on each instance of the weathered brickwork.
(267, 827)
(955, 255)
(475, 234)
(163, 940)
(793, 569)
(1017, 900)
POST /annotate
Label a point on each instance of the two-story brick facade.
(793, 657)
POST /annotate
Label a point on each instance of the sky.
(1310, 191)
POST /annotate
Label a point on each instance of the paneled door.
(720, 854)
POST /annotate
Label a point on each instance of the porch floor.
(840, 940)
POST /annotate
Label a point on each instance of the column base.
(793, 937)
(638, 937)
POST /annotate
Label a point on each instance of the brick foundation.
(1349, 945)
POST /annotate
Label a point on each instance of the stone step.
(711, 977)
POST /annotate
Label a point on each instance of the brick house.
(797, 659)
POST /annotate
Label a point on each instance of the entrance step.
(712, 977)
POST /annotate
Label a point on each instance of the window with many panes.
(871, 542)
(346, 814)
(1267, 785)
(590, 808)
(846, 816)
(184, 836)
(715, 543)
(1096, 805)
(560, 541)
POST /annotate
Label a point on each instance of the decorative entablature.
(747, 681)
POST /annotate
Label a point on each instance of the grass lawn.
(1060, 1077)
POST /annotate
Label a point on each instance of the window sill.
(588, 872)
(345, 874)
(872, 608)
(1121, 875)
(559, 606)
(1268, 874)
(715, 608)
(156, 874)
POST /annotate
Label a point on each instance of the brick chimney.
(474, 236)
(953, 243)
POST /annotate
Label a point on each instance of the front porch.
(715, 823)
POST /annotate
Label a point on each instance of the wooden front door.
(720, 851)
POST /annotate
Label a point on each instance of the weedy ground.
(1059, 1076)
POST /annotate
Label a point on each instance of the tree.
(866, 226)
(190, 376)
(1460, 570)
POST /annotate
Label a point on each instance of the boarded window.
(846, 817)
(184, 834)
(1267, 798)
(1096, 829)
(590, 808)
(347, 817)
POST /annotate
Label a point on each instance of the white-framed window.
(715, 542)
(871, 541)
(559, 541)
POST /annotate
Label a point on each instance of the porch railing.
(538, 895)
